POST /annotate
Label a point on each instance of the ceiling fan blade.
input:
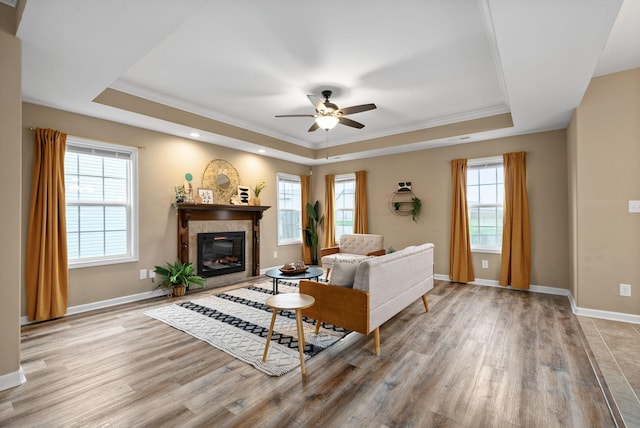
(357, 109)
(313, 127)
(351, 123)
(316, 101)
(294, 115)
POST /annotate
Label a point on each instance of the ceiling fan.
(328, 115)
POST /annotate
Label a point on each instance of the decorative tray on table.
(294, 268)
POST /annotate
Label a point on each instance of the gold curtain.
(516, 243)
(305, 185)
(329, 197)
(460, 263)
(361, 221)
(46, 260)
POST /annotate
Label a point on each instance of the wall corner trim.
(11, 380)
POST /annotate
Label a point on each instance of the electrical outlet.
(485, 264)
(143, 274)
(152, 274)
(625, 290)
(275, 254)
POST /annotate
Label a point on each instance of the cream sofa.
(382, 287)
(357, 246)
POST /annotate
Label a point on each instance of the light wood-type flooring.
(481, 357)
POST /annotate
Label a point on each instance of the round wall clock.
(223, 179)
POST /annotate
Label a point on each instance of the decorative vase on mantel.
(256, 201)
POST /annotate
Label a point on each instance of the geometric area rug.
(237, 322)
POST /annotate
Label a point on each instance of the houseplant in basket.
(177, 276)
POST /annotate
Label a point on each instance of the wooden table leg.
(273, 323)
(300, 339)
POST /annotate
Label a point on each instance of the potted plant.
(176, 277)
(256, 191)
(316, 219)
(396, 205)
(416, 207)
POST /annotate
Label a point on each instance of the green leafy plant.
(396, 205)
(178, 274)
(258, 188)
(316, 220)
(416, 208)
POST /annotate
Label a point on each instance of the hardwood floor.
(481, 357)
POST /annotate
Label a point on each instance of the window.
(344, 204)
(485, 198)
(101, 194)
(289, 209)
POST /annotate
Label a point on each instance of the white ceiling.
(241, 62)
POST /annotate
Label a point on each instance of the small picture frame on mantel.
(205, 196)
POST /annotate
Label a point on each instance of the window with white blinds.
(289, 209)
(344, 204)
(101, 202)
(485, 199)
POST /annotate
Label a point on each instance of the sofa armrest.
(329, 250)
(344, 307)
(381, 252)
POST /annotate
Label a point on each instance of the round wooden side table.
(289, 301)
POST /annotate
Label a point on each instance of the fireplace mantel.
(203, 212)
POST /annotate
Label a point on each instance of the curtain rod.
(110, 142)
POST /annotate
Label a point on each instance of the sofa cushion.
(343, 273)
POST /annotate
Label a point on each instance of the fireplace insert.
(220, 253)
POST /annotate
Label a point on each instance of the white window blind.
(289, 209)
(344, 204)
(101, 199)
(485, 199)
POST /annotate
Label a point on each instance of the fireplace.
(220, 253)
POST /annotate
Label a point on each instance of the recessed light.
(195, 135)
(262, 151)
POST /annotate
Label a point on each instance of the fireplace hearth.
(221, 253)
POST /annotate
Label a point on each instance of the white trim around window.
(289, 209)
(101, 187)
(485, 200)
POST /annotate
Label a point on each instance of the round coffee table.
(289, 301)
(276, 274)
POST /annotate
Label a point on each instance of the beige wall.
(429, 171)
(10, 217)
(162, 164)
(606, 163)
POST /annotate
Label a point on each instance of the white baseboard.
(11, 380)
(72, 310)
(607, 315)
(593, 313)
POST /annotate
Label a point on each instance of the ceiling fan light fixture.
(327, 122)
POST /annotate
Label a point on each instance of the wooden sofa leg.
(426, 304)
(376, 340)
(317, 327)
